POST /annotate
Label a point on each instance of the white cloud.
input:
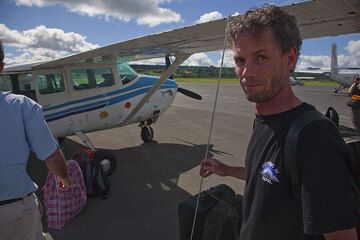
(146, 12)
(353, 48)
(209, 17)
(33, 55)
(313, 61)
(154, 61)
(23, 58)
(351, 60)
(14, 37)
(164, 16)
(228, 59)
(42, 43)
(199, 59)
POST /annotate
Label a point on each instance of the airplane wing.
(314, 71)
(316, 18)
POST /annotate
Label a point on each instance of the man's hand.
(348, 234)
(210, 166)
(65, 183)
(56, 163)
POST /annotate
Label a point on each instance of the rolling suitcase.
(208, 200)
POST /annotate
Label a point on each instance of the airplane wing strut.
(179, 60)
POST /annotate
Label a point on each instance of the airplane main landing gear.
(147, 134)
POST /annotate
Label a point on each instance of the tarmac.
(151, 179)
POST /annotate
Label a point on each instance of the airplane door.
(51, 89)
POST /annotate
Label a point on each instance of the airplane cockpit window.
(50, 83)
(92, 78)
(5, 83)
(127, 74)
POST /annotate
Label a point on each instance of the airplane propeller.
(184, 91)
(189, 93)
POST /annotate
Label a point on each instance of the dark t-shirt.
(356, 91)
(270, 210)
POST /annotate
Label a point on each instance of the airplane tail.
(334, 61)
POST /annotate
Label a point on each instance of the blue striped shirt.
(22, 128)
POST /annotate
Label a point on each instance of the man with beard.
(266, 43)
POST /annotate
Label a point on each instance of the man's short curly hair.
(1, 52)
(281, 23)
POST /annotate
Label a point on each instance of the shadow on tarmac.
(142, 203)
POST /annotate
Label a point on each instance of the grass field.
(207, 80)
(236, 81)
(321, 83)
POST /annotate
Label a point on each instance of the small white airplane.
(97, 89)
(343, 76)
(89, 96)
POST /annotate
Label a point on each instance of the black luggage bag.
(224, 221)
(208, 200)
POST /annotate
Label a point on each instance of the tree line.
(186, 71)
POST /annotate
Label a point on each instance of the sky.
(36, 30)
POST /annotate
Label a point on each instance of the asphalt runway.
(152, 178)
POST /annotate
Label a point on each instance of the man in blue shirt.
(23, 128)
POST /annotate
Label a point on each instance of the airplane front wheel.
(147, 134)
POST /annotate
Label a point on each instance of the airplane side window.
(23, 84)
(50, 83)
(5, 83)
(92, 78)
(26, 83)
(80, 79)
(127, 74)
(104, 77)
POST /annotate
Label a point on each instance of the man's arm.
(348, 234)
(210, 166)
(42, 142)
(56, 163)
(354, 85)
(328, 205)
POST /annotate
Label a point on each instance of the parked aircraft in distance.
(343, 76)
(97, 89)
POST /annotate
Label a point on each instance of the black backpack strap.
(303, 120)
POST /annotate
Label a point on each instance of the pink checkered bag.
(62, 206)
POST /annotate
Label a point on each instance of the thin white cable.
(211, 124)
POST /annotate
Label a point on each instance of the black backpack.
(207, 221)
(96, 182)
(349, 135)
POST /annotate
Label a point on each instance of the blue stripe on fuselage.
(144, 81)
(75, 112)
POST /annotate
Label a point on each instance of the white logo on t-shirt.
(269, 172)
